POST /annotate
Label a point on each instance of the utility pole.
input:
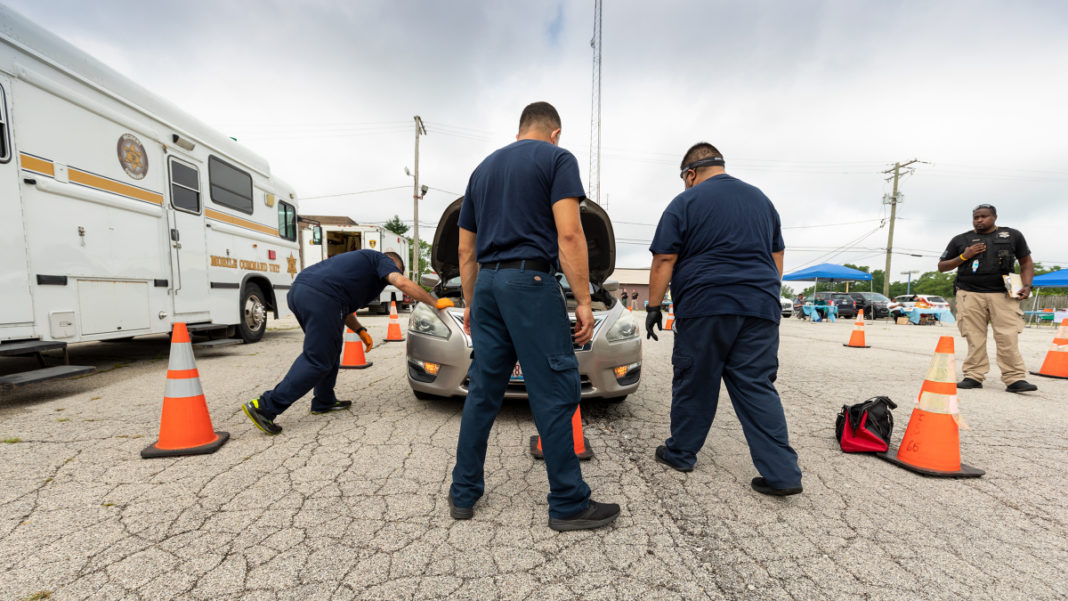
(892, 200)
(908, 285)
(419, 129)
(595, 108)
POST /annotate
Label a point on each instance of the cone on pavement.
(931, 445)
(671, 317)
(185, 426)
(352, 356)
(1056, 363)
(856, 339)
(580, 442)
(393, 333)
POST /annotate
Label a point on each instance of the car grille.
(584, 384)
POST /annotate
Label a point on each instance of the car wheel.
(253, 314)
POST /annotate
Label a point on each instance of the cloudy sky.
(810, 101)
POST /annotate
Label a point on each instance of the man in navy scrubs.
(720, 246)
(520, 216)
(325, 297)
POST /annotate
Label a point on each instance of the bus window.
(287, 221)
(185, 187)
(5, 136)
(230, 186)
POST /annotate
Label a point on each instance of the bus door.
(16, 304)
(189, 261)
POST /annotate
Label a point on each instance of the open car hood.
(600, 241)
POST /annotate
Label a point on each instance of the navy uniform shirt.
(982, 273)
(724, 232)
(353, 279)
(509, 199)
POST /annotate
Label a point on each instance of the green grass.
(38, 596)
(12, 440)
(63, 419)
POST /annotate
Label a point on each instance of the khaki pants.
(974, 311)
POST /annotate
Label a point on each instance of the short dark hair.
(992, 208)
(539, 114)
(396, 259)
(700, 150)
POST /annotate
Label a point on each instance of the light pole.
(908, 284)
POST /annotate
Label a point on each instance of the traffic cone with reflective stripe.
(671, 317)
(1056, 363)
(185, 426)
(352, 356)
(856, 339)
(393, 333)
(581, 443)
(931, 445)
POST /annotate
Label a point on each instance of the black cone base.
(364, 366)
(1047, 375)
(536, 452)
(966, 471)
(151, 452)
(851, 346)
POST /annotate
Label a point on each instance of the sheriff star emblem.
(291, 267)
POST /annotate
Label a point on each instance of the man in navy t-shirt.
(720, 246)
(519, 218)
(325, 297)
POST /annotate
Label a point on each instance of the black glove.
(653, 317)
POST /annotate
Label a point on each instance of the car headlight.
(425, 320)
(624, 328)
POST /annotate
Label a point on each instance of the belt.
(532, 264)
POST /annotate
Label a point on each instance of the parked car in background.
(875, 305)
(787, 306)
(909, 301)
(439, 351)
(846, 304)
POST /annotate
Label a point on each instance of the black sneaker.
(967, 383)
(761, 486)
(594, 516)
(660, 458)
(252, 410)
(460, 513)
(1021, 386)
(337, 406)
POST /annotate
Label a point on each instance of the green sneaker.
(252, 410)
(337, 406)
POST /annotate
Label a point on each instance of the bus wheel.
(253, 314)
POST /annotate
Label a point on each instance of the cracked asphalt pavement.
(352, 505)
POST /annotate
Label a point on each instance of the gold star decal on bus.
(291, 268)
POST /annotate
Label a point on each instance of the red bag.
(866, 427)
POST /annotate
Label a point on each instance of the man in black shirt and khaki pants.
(982, 257)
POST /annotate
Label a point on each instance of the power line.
(351, 193)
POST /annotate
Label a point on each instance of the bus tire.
(253, 314)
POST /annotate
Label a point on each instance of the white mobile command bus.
(120, 214)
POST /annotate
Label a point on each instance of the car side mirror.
(317, 234)
(429, 280)
(610, 285)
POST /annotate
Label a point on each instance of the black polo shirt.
(983, 273)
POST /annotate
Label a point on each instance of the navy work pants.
(743, 352)
(322, 319)
(521, 314)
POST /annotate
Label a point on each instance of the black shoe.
(967, 383)
(337, 406)
(660, 458)
(594, 516)
(1021, 386)
(761, 486)
(460, 513)
(252, 410)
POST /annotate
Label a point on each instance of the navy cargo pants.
(521, 314)
(322, 319)
(743, 351)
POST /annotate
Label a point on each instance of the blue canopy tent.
(1055, 279)
(828, 271)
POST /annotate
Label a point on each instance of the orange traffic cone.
(352, 356)
(393, 334)
(931, 445)
(582, 444)
(1056, 363)
(185, 426)
(856, 339)
(671, 317)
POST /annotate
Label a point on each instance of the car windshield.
(567, 285)
(876, 297)
(452, 282)
(935, 299)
